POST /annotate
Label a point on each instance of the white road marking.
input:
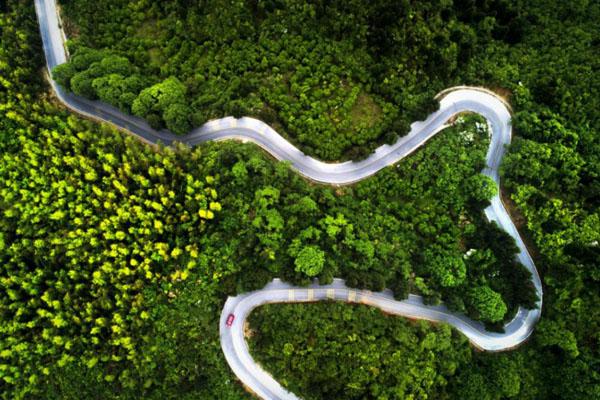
(351, 296)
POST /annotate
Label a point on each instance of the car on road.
(230, 319)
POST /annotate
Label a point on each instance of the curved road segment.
(233, 344)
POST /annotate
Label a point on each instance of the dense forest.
(551, 178)
(338, 351)
(335, 77)
(117, 256)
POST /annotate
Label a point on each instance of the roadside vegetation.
(342, 351)
(316, 71)
(546, 56)
(117, 257)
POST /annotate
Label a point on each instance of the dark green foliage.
(342, 78)
(100, 236)
(338, 78)
(101, 75)
(368, 234)
(339, 351)
(494, 377)
(164, 101)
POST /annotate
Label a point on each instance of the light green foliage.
(487, 303)
(310, 261)
(96, 231)
(481, 188)
(447, 269)
(84, 242)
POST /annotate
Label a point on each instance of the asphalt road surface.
(452, 102)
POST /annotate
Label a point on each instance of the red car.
(230, 319)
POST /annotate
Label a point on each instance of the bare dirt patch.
(365, 111)
(248, 332)
(520, 223)
(504, 93)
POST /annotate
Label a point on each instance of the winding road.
(452, 102)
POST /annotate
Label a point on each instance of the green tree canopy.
(310, 260)
(166, 102)
(446, 268)
(487, 303)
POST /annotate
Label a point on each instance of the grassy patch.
(365, 113)
(149, 29)
(156, 56)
